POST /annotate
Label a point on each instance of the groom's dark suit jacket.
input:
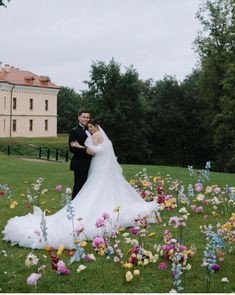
(80, 161)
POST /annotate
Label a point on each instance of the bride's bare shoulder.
(97, 136)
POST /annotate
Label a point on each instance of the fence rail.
(44, 153)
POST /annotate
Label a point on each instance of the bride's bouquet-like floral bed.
(193, 240)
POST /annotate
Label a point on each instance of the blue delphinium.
(43, 227)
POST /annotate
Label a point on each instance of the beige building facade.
(28, 104)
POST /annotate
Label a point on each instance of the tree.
(216, 47)
(68, 108)
(114, 98)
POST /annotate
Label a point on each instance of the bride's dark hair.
(93, 122)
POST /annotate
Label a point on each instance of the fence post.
(57, 154)
(40, 152)
(67, 156)
(8, 150)
(48, 153)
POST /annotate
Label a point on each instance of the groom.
(80, 161)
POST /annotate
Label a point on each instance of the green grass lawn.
(103, 275)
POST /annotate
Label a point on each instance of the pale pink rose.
(33, 278)
(105, 215)
(99, 222)
(59, 187)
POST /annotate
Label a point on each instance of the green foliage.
(114, 99)
(68, 107)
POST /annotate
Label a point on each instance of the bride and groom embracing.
(99, 187)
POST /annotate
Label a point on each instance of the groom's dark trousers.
(80, 161)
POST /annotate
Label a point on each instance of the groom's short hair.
(83, 111)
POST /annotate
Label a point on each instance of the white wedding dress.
(104, 190)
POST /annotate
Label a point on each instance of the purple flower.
(33, 278)
(215, 267)
(61, 269)
(134, 231)
(198, 187)
(99, 222)
(97, 242)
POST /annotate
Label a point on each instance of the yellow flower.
(60, 250)
(127, 265)
(183, 201)
(227, 225)
(22, 195)
(84, 244)
(136, 272)
(47, 247)
(121, 229)
(117, 209)
(12, 206)
(47, 210)
(43, 203)
(144, 182)
(156, 178)
(129, 276)
(132, 182)
(76, 241)
(168, 203)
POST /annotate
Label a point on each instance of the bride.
(104, 190)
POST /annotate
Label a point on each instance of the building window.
(30, 125)
(5, 102)
(14, 103)
(14, 125)
(30, 103)
(46, 125)
(4, 124)
(46, 105)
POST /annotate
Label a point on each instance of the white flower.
(92, 257)
(172, 291)
(31, 259)
(214, 207)
(68, 191)
(183, 210)
(125, 235)
(81, 268)
(225, 280)
(35, 186)
(134, 242)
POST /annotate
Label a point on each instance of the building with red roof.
(28, 104)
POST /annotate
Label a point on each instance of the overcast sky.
(61, 38)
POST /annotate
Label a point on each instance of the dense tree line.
(167, 121)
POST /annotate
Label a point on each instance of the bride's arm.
(96, 147)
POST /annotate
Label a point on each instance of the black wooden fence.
(44, 153)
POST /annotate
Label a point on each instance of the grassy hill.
(104, 275)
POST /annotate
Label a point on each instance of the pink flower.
(99, 222)
(59, 187)
(162, 266)
(217, 190)
(198, 187)
(97, 242)
(33, 278)
(61, 269)
(1, 193)
(105, 215)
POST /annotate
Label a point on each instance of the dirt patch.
(39, 160)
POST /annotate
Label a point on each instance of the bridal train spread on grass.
(104, 190)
